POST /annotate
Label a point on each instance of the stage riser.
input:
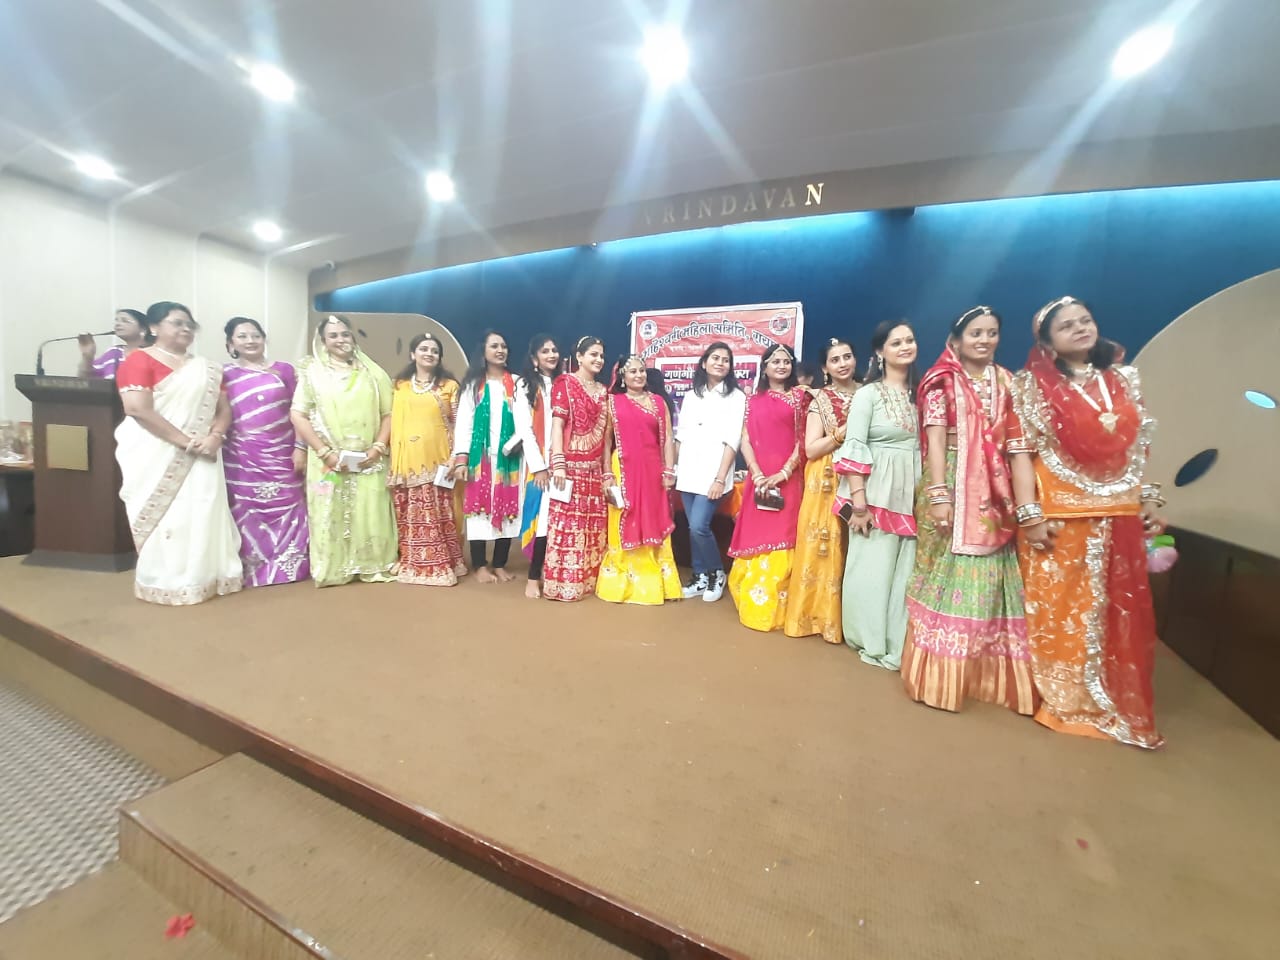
(112, 915)
(230, 913)
(170, 753)
(279, 872)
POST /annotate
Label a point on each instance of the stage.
(668, 770)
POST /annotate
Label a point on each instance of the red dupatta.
(641, 437)
(983, 490)
(1076, 425)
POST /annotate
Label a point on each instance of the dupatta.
(329, 390)
(641, 436)
(983, 490)
(532, 495)
(1075, 426)
(493, 493)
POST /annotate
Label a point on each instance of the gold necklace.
(421, 387)
(1108, 418)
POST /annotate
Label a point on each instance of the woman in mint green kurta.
(343, 403)
(879, 467)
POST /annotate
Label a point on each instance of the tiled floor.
(60, 788)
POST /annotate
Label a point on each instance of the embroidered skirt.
(576, 536)
(430, 551)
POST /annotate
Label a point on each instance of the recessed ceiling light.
(665, 55)
(1260, 399)
(95, 167)
(272, 82)
(267, 232)
(440, 186)
(1142, 51)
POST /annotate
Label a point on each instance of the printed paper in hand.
(555, 493)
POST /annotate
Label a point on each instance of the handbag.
(770, 498)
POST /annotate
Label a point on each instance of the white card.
(615, 496)
(555, 493)
(444, 476)
(350, 460)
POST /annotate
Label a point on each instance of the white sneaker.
(699, 585)
(716, 590)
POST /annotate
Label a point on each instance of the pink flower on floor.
(179, 926)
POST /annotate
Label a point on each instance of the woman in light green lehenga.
(343, 406)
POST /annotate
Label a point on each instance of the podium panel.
(80, 520)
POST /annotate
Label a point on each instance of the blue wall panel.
(1140, 257)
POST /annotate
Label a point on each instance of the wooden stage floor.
(775, 796)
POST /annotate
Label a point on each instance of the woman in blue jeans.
(707, 436)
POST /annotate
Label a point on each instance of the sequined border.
(1033, 411)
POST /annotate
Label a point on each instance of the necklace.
(1086, 371)
(264, 366)
(1106, 417)
(421, 387)
(180, 357)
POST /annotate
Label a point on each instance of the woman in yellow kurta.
(813, 602)
(638, 566)
(422, 411)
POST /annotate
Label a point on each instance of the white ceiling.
(540, 108)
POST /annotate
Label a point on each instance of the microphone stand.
(40, 349)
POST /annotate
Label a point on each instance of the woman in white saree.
(169, 448)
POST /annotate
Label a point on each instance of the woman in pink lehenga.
(264, 461)
(764, 537)
(639, 566)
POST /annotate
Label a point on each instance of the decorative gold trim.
(1037, 423)
(161, 498)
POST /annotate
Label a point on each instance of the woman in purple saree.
(263, 463)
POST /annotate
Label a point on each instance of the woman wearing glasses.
(169, 450)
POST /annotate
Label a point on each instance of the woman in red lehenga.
(1078, 448)
(576, 526)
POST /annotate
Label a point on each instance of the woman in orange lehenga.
(817, 573)
(1079, 447)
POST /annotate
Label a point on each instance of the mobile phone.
(845, 512)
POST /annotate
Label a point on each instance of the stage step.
(279, 871)
(110, 915)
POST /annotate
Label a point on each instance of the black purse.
(770, 498)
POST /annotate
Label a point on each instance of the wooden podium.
(80, 519)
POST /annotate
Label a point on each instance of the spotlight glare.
(665, 55)
(267, 232)
(440, 186)
(272, 82)
(95, 167)
(1142, 51)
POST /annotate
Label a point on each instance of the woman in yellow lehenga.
(764, 538)
(638, 566)
(813, 603)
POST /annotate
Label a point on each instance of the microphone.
(40, 349)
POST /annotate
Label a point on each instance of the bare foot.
(395, 570)
(461, 571)
(502, 575)
(485, 575)
(532, 590)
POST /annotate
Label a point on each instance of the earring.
(235, 354)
